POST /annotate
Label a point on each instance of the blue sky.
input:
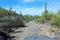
(32, 7)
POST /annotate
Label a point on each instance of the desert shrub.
(52, 29)
(42, 19)
(55, 21)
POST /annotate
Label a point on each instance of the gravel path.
(32, 29)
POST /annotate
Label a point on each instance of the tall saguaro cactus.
(45, 7)
(21, 13)
(10, 8)
(46, 12)
(10, 11)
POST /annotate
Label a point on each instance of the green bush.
(52, 29)
(55, 21)
(42, 19)
(37, 20)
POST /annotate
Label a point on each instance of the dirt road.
(32, 29)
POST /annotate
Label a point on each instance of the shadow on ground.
(37, 37)
(18, 31)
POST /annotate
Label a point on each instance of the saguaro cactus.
(45, 10)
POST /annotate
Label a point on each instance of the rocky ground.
(34, 31)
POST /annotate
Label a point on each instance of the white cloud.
(32, 11)
(28, 0)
